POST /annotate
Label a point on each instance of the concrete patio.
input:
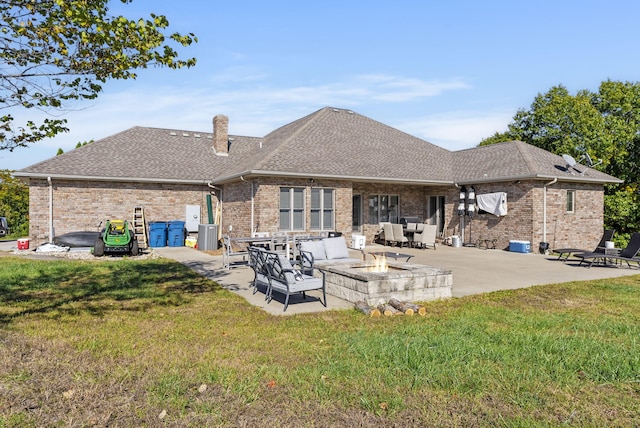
(474, 270)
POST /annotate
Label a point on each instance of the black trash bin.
(543, 247)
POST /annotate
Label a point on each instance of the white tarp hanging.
(494, 203)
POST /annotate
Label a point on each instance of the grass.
(150, 343)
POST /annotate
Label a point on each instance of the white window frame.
(322, 209)
(292, 213)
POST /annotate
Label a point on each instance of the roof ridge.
(276, 148)
(523, 148)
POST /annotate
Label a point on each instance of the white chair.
(387, 228)
(427, 238)
(398, 235)
(228, 252)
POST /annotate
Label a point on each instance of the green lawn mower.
(116, 239)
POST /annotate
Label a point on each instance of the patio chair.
(283, 278)
(257, 261)
(427, 238)
(398, 235)
(387, 229)
(228, 252)
(564, 253)
(306, 262)
(628, 254)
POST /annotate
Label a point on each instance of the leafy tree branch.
(54, 52)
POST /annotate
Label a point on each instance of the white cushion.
(314, 247)
(336, 248)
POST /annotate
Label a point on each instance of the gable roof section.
(342, 144)
(515, 160)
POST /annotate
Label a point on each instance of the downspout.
(461, 219)
(544, 208)
(50, 209)
(218, 203)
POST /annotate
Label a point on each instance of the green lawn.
(150, 343)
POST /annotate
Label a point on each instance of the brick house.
(331, 170)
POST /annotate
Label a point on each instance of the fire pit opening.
(379, 265)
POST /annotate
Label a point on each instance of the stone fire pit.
(403, 281)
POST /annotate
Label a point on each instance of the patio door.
(356, 207)
(435, 212)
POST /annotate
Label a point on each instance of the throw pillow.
(314, 247)
(336, 248)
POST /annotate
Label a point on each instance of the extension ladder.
(140, 227)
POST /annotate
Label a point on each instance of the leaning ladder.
(140, 227)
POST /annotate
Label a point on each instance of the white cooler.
(357, 242)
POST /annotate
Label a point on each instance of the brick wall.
(525, 220)
(81, 205)
(237, 204)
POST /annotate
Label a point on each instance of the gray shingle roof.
(327, 143)
(341, 143)
(518, 160)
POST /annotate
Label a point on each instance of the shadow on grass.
(36, 286)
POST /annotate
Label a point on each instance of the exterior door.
(435, 212)
(356, 225)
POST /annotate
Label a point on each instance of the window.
(322, 209)
(291, 208)
(383, 208)
(571, 201)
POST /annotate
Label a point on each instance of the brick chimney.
(221, 135)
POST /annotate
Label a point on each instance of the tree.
(605, 125)
(55, 52)
(14, 203)
(78, 145)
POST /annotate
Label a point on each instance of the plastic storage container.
(157, 234)
(520, 246)
(23, 244)
(176, 233)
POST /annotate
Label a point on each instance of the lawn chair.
(387, 229)
(398, 235)
(257, 261)
(564, 253)
(283, 278)
(228, 252)
(628, 254)
(427, 238)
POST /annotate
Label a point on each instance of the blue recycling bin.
(176, 233)
(157, 234)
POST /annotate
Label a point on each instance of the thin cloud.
(458, 130)
(254, 107)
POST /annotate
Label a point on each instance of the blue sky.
(449, 72)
